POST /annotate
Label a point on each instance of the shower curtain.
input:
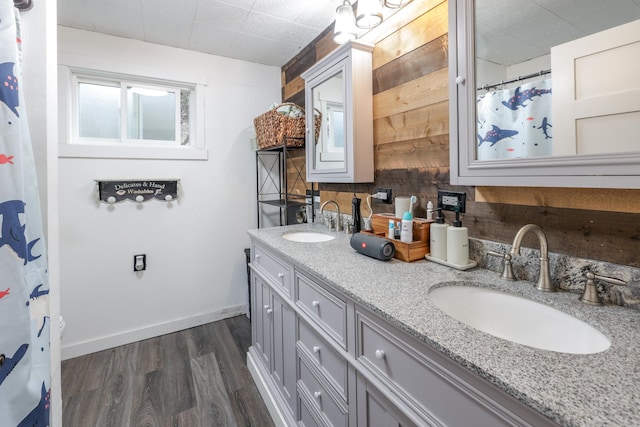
(515, 122)
(25, 373)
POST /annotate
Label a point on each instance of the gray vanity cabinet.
(273, 328)
(322, 359)
(376, 410)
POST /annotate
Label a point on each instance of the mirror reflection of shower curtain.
(25, 373)
(513, 123)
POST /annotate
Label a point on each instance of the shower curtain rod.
(517, 79)
(23, 4)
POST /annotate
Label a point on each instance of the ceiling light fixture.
(369, 14)
(344, 29)
(396, 4)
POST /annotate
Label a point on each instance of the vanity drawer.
(421, 377)
(320, 398)
(306, 419)
(323, 307)
(327, 360)
(275, 271)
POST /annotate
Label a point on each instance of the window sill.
(129, 152)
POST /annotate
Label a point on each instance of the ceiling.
(513, 31)
(267, 32)
(272, 32)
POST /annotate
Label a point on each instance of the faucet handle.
(590, 295)
(507, 272)
(347, 225)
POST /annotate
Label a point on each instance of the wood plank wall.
(411, 140)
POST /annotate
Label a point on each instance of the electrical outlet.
(139, 262)
(452, 201)
(387, 191)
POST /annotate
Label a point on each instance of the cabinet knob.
(268, 309)
(380, 354)
(317, 394)
(280, 275)
(315, 303)
(257, 256)
(460, 79)
(316, 349)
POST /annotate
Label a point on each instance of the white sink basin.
(519, 320)
(308, 237)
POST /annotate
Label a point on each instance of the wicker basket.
(273, 127)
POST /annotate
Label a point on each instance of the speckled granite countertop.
(600, 389)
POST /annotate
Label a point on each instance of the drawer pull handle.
(316, 349)
(315, 303)
(380, 354)
(280, 275)
(317, 394)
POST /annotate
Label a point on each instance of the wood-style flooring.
(193, 378)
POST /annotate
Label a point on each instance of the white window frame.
(73, 146)
(78, 78)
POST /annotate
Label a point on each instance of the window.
(117, 111)
(107, 112)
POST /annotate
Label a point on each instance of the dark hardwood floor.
(193, 378)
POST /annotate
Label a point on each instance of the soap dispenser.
(457, 242)
(438, 237)
(355, 213)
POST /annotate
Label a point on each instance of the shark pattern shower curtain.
(515, 123)
(25, 373)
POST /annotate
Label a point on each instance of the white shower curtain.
(515, 122)
(25, 373)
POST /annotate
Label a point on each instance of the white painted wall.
(196, 264)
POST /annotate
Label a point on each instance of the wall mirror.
(328, 103)
(339, 89)
(545, 93)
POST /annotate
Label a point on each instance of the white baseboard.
(103, 343)
(265, 393)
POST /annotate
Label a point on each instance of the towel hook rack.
(23, 5)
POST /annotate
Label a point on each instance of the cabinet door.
(283, 344)
(374, 410)
(339, 105)
(261, 322)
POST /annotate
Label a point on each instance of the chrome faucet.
(337, 207)
(544, 282)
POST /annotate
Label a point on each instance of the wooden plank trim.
(419, 62)
(430, 120)
(424, 29)
(426, 90)
(613, 200)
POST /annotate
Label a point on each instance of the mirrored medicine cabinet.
(545, 93)
(339, 116)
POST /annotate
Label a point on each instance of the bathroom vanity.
(342, 339)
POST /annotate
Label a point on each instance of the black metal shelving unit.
(273, 186)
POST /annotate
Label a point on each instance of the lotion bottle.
(406, 232)
(438, 237)
(458, 243)
(429, 210)
(391, 233)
